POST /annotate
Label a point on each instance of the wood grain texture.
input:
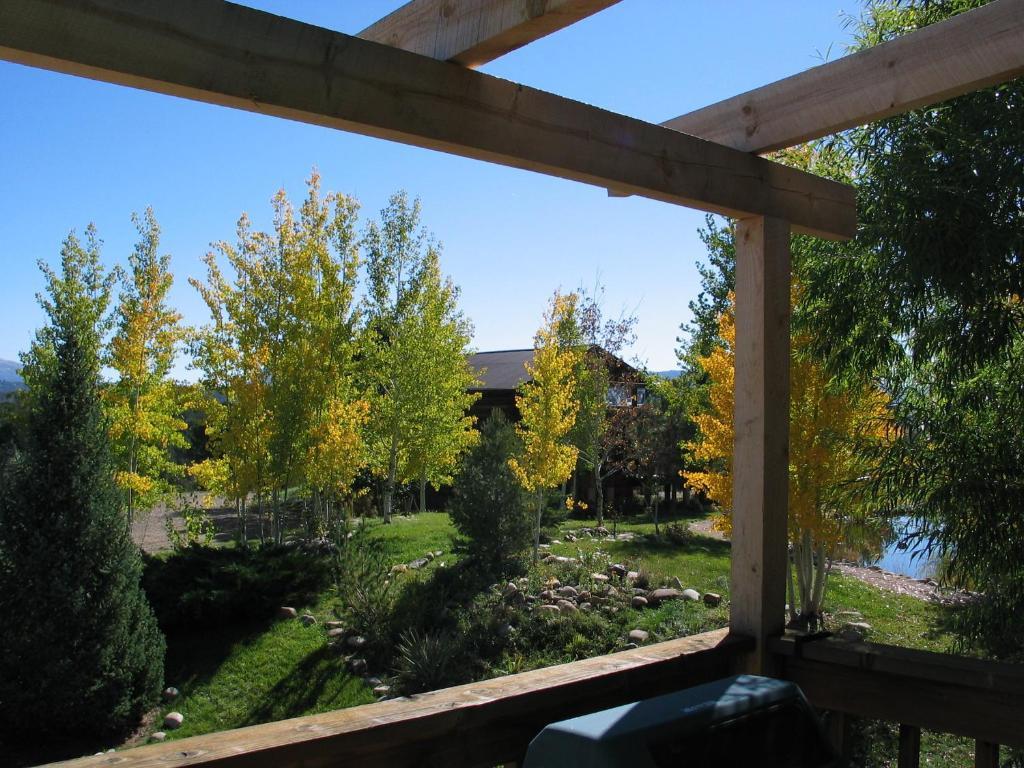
(235, 56)
(910, 747)
(474, 32)
(986, 754)
(927, 690)
(976, 49)
(483, 723)
(761, 423)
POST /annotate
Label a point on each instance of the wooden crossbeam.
(483, 723)
(473, 32)
(976, 49)
(239, 57)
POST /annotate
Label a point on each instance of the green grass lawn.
(245, 675)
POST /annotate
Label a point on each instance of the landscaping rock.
(570, 537)
(568, 591)
(158, 736)
(586, 607)
(547, 594)
(287, 613)
(336, 632)
(858, 626)
(429, 556)
(850, 636)
(382, 690)
(617, 569)
(510, 590)
(632, 575)
(601, 531)
(173, 720)
(640, 591)
(334, 624)
(438, 552)
(555, 541)
(638, 636)
(400, 568)
(417, 564)
(601, 577)
(357, 666)
(170, 693)
(691, 594)
(308, 619)
(548, 608)
(630, 646)
(566, 606)
(659, 596)
(712, 599)
(675, 582)
(356, 642)
(638, 602)
(625, 536)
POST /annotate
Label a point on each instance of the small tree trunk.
(536, 524)
(599, 494)
(242, 521)
(821, 576)
(423, 492)
(389, 484)
(789, 584)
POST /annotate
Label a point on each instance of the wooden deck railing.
(480, 724)
(982, 700)
(493, 721)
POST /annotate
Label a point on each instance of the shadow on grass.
(317, 683)
(428, 604)
(693, 545)
(193, 658)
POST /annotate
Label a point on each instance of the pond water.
(911, 561)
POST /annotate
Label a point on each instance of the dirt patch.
(922, 589)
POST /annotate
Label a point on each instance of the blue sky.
(73, 151)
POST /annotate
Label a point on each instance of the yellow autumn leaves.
(826, 421)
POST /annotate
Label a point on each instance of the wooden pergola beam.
(239, 57)
(474, 32)
(976, 49)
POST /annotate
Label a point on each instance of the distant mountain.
(9, 378)
(668, 374)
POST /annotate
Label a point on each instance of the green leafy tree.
(83, 657)
(280, 352)
(414, 357)
(928, 301)
(488, 503)
(598, 340)
(441, 430)
(144, 405)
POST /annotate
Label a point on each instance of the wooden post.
(838, 724)
(761, 453)
(986, 754)
(910, 746)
